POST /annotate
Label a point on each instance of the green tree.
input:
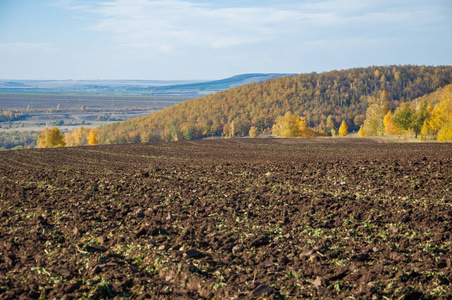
(409, 119)
(404, 117)
(421, 115)
(189, 132)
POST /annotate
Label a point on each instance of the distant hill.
(322, 99)
(138, 85)
(224, 84)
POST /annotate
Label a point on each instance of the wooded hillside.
(324, 100)
(429, 116)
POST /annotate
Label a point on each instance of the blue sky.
(195, 39)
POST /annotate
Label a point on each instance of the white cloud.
(179, 23)
(176, 23)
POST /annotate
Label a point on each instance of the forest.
(322, 100)
(428, 117)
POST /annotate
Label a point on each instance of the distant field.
(72, 119)
(21, 100)
(101, 109)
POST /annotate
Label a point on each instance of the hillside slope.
(323, 99)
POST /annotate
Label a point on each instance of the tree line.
(52, 137)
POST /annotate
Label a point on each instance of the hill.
(224, 84)
(96, 86)
(322, 99)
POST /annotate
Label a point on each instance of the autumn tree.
(390, 128)
(343, 129)
(375, 113)
(78, 137)
(425, 130)
(287, 126)
(232, 129)
(441, 113)
(330, 124)
(49, 138)
(92, 137)
(305, 131)
(361, 132)
(445, 133)
(254, 132)
(291, 125)
(359, 120)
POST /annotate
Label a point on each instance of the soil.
(228, 219)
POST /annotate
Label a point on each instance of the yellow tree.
(226, 130)
(287, 126)
(291, 125)
(375, 113)
(445, 134)
(254, 132)
(50, 138)
(69, 138)
(305, 131)
(343, 129)
(361, 132)
(232, 129)
(92, 137)
(78, 137)
(390, 128)
(425, 130)
(441, 114)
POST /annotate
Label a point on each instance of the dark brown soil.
(228, 219)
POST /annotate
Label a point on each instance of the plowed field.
(228, 219)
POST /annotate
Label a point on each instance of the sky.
(207, 40)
